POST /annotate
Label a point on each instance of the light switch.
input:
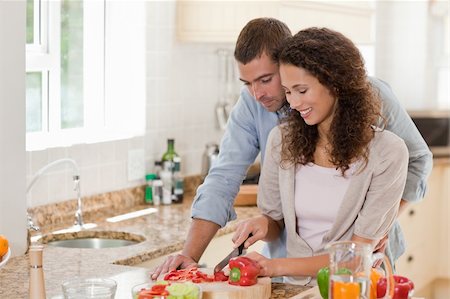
(136, 165)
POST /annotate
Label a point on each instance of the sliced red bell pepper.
(220, 276)
(193, 274)
(243, 271)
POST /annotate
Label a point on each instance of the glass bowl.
(89, 288)
(180, 289)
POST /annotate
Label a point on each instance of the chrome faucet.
(76, 180)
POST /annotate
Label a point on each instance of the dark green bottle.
(167, 172)
(170, 153)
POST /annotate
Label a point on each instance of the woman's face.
(307, 95)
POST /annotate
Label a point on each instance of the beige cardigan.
(370, 204)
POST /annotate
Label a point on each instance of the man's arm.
(213, 203)
(200, 234)
(420, 157)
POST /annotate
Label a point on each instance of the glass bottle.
(167, 172)
(167, 180)
(178, 188)
(168, 156)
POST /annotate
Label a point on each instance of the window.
(85, 68)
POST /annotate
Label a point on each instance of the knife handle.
(241, 247)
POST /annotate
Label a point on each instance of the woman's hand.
(258, 226)
(267, 266)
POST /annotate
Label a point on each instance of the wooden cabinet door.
(218, 21)
(421, 225)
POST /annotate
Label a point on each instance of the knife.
(236, 252)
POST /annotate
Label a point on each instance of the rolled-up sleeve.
(238, 150)
(420, 157)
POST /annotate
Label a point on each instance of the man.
(261, 105)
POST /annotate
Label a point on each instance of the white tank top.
(318, 195)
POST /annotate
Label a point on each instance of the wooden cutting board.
(247, 195)
(224, 290)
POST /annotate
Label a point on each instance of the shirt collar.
(284, 111)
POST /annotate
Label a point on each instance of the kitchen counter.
(164, 232)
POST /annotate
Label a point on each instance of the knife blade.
(234, 253)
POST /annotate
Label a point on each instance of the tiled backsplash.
(182, 93)
(107, 203)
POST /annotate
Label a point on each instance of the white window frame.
(44, 56)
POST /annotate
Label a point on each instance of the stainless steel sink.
(92, 239)
(92, 243)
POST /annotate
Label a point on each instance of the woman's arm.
(306, 266)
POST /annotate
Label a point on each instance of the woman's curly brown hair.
(338, 65)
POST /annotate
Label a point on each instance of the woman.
(329, 173)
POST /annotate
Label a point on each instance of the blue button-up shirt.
(246, 136)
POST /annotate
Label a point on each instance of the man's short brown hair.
(261, 35)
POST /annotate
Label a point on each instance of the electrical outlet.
(136, 165)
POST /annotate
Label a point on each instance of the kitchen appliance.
(209, 156)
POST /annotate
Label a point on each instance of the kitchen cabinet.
(426, 229)
(218, 21)
(221, 21)
(444, 225)
(218, 249)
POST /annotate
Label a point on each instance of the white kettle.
(210, 154)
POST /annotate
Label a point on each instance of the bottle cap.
(150, 176)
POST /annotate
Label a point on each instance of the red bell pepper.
(243, 271)
(403, 287)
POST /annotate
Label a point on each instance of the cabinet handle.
(410, 259)
(412, 212)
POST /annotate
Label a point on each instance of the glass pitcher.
(350, 269)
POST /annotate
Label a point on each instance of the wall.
(12, 124)
(182, 92)
(410, 51)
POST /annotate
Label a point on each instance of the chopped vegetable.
(220, 276)
(170, 291)
(194, 275)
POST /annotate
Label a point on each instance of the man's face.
(262, 78)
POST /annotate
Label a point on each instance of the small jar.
(157, 189)
(149, 188)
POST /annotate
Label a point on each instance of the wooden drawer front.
(419, 223)
(419, 264)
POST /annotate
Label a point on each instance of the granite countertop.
(163, 232)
